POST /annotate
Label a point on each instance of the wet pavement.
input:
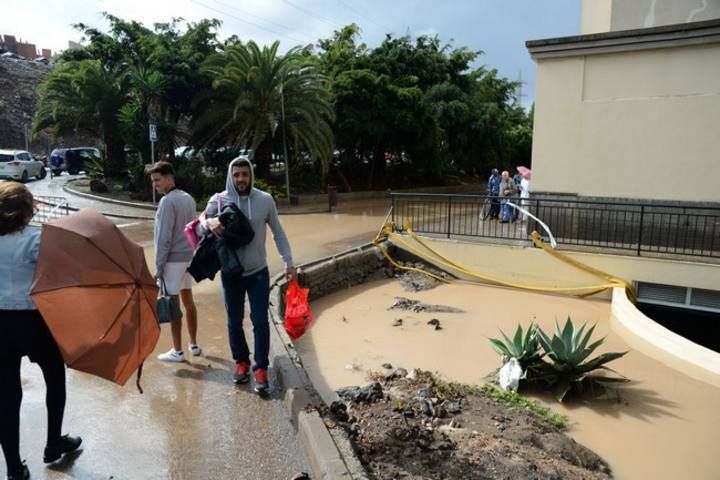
(192, 421)
(53, 187)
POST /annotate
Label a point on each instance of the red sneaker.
(261, 380)
(242, 372)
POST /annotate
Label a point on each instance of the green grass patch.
(449, 390)
(515, 401)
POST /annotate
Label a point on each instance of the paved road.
(192, 422)
(54, 188)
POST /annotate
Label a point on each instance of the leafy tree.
(244, 108)
(160, 70)
(84, 96)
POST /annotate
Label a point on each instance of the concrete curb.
(146, 206)
(329, 450)
(300, 397)
(101, 198)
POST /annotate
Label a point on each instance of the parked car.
(20, 165)
(72, 160)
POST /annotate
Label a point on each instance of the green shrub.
(559, 363)
(568, 351)
(523, 347)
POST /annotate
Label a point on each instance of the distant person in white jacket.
(173, 253)
(524, 189)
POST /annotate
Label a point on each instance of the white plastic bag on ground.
(509, 375)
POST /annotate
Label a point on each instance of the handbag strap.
(163, 288)
(203, 215)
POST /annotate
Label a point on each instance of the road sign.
(153, 132)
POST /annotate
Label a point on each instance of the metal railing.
(629, 228)
(50, 208)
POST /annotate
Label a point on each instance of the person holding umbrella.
(526, 174)
(24, 332)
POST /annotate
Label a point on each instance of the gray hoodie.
(259, 208)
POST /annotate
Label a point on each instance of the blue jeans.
(257, 287)
(506, 210)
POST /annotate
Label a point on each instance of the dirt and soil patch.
(412, 425)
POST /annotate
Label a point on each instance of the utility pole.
(25, 131)
(286, 159)
(520, 94)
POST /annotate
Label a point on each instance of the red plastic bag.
(298, 315)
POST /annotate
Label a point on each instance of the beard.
(245, 191)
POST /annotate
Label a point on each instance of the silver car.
(20, 165)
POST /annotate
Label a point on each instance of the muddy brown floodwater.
(664, 425)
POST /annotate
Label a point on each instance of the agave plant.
(568, 351)
(523, 347)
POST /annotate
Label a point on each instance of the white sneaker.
(195, 350)
(171, 356)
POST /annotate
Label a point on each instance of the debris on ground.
(414, 281)
(402, 303)
(409, 425)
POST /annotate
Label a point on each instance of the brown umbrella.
(97, 296)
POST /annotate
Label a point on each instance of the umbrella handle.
(137, 379)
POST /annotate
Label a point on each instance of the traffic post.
(153, 138)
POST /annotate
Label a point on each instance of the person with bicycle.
(493, 191)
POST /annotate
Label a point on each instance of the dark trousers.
(23, 332)
(494, 205)
(257, 287)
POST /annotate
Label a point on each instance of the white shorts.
(176, 277)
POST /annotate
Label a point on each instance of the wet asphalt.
(192, 422)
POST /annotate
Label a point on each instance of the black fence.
(634, 228)
(50, 208)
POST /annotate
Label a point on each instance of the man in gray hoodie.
(173, 252)
(259, 208)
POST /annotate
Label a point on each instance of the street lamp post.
(287, 161)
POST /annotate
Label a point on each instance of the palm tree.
(244, 107)
(84, 97)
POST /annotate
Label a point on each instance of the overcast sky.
(497, 27)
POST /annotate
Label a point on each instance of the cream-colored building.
(630, 108)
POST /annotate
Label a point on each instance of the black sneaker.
(23, 475)
(66, 444)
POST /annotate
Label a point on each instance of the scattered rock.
(397, 322)
(98, 186)
(417, 433)
(413, 281)
(369, 393)
(338, 410)
(387, 366)
(402, 303)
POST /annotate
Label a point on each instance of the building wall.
(27, 50)
(613, 15)
(635, 124)
(596, 16)
(10, 43)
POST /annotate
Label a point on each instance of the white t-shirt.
(524, 188)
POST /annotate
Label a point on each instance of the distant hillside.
(19, 81)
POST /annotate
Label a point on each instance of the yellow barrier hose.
(433, 257)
